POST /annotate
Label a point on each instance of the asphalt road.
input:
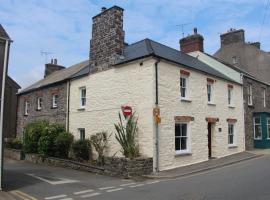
(246, 180)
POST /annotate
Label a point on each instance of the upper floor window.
(39, 103)
(264, 97)
(230, 95)
(26, 107)
(231, 136)
(257, 128)
(181, 138)
(210, 90)
(249, 94)
(82, 97)
(54, 100)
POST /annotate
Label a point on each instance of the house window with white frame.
(209, 92)
(82, 133)
(231, 134)
(257, 128)
(249, 94)
(26, 107)
(82, 97)
(39, 103)
(268, 127)
(264, 97)
(54, 100)
(181, 138)
(230, 95)
(184, 87)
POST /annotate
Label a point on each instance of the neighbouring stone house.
(47, 99)
(11, 89)
(196, 121)
(255, 94)
(245, 55)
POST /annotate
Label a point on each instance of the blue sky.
(64, 27)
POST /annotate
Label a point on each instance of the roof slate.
(147, 47)
(58, 76)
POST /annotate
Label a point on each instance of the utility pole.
(182, 28)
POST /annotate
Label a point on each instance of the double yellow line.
(22, 195)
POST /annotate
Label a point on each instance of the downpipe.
(156, 124)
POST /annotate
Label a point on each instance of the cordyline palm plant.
(127, 136)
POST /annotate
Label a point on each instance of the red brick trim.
(212, 119)
(210, 80)
(39, 93)
(230, 86)
(184, 72)
(230, 120)
(55, 91)
(183, 118)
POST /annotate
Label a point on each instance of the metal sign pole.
(2, 112)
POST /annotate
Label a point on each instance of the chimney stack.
(52, 67)
(107, 36)
(192, 42)
(232, 36)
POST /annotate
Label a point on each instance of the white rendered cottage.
(198, 118)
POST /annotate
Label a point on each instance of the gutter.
(156, 124)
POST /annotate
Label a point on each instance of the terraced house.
(199, 119)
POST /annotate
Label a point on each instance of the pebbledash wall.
(54, 115)
(106, 92)
(134, 85)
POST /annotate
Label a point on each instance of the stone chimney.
(52, 67)
(107, 36)
(192, 42)
(232, 36)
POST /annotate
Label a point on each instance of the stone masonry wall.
(257, 106)
(107, 36)
(53, 115)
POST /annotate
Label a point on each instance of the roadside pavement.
(6, 196)
(207, 165)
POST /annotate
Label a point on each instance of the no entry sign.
(127, 111)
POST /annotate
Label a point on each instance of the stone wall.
(14, 154)
(47, 112)
(107, 36)
(257, 106)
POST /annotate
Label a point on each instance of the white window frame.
(211, 94)
(39, 103)
(55, 100)
(249, 93)
(81, 97)
(80, 133)
(188, 149)
(268, 127)
(254, 125)
(26, 107)
(233, 134)
(230, 96)
(186, 97)
(264, 97)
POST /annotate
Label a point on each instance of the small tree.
(100, 142)
(127, 136)
(81, 149)
(62, 144)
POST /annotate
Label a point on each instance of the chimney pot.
(195, 31)
(51, 61)
(103, 9)
(55, 61)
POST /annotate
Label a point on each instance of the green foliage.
(100, 142)
(32, 133)
(81, 149)
(16, 143)
(126, 136)
(62, 144)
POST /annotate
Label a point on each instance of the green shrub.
(81, 149)
(62, 144)
(127, 136)
(16, 143)
(99, 141)
(32, 133)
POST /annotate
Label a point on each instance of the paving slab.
(204, 166)
(6, 196)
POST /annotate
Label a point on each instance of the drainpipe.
(2, 109)
(67, 111)
(156, 124)
(243, 110)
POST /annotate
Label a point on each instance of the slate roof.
(59, 76)
(147, 47)
(3, 33)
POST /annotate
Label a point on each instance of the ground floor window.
(181, 138)
(257, 128)
(82, 133)
(231, 134)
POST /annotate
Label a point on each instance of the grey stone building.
(11, 89)
(48, 98)
(247, 56)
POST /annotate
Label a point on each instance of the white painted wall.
(171, 105)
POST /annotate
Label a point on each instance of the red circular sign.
(127, 111)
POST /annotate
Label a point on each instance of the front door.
(209, 140)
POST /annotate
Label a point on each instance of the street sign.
(127, 111)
